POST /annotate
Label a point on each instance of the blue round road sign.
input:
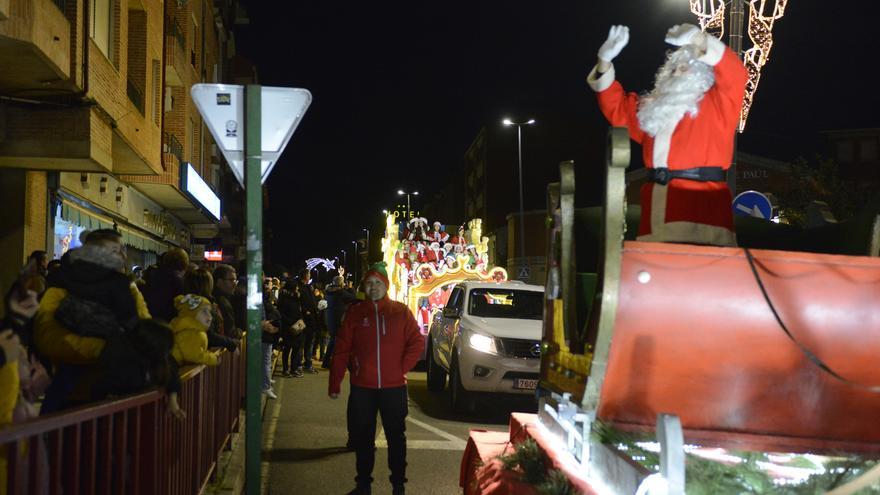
(752, 204)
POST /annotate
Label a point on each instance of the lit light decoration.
(710, 14)
(762, 15)
(328, 264)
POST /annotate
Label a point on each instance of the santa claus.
(438, 235)
(424, 316)
(686, 127)
(436, 254)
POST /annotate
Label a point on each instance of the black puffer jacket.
(91, 273)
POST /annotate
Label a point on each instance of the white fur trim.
(662, 142)
(599, 84)
(714, 50)
(692, 233)
(687, 232)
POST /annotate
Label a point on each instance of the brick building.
(96, 124)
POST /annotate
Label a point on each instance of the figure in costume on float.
(438, 235)
(418, 230)
(459, 240)
(686, 126)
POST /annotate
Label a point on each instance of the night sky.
(402, 88)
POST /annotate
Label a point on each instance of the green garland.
(705, 477)
(532, 462)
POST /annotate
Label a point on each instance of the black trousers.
(391, 404)
(288, 354)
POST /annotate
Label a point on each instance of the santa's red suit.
(459, 240)
(685, 210)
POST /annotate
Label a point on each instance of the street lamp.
(355, 257)
(368, 245)
(344, 256)
(401, 192)
(522, 218)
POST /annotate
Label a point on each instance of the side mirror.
(453, 313)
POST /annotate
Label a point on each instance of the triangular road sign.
(222, 108)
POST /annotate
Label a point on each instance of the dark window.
(506, 303)
(455, 299)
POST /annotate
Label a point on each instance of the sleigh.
(771, 346)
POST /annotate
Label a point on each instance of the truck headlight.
(482, 343)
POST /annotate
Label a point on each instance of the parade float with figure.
(685, 349)
(427, 261)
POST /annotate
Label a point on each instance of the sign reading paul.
(222, 107)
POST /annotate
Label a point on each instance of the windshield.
(506, 303)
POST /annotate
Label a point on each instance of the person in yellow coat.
(94, 275)
(191, 330)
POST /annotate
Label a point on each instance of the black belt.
(662, 176)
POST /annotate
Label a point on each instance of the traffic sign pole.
(254, 229)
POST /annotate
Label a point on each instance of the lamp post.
(522, 217)
(344, 256)
(401, 192)
(368, 246)
(355, 257)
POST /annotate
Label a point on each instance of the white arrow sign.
(222, 107)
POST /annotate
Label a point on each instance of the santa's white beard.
(675, 94)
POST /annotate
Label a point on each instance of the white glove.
(681, 34)
(618, 37)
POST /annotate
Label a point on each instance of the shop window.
(66, 235)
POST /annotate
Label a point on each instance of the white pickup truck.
(487, 340)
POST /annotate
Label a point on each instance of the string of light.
(711, 13)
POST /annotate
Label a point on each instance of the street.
(305, 435)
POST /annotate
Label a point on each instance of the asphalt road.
(305, 435)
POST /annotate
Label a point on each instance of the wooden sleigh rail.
(686, 330)
(130, 445)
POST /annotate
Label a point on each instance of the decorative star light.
(328, 264)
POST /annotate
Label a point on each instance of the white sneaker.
(271, 381)
(270, 394)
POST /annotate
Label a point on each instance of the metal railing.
(175, 32)
(135, 95)
(131, 445)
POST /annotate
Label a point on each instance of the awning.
(91, 220)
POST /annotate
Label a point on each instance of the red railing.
(131, 445)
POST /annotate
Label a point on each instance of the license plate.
(525, 384)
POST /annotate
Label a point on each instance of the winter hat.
(188, 305)
(378, 270)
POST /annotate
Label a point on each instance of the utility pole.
(254, 207)
(735, 40)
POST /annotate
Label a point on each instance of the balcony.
(175, 55)
(168, 188)
(34, 47)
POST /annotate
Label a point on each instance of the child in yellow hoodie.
(191, 330)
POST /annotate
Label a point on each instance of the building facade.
(97, 129)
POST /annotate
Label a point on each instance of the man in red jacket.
(379, 342)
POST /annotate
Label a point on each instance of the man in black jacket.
(225, 280)
(289, 307)
(309, 314)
